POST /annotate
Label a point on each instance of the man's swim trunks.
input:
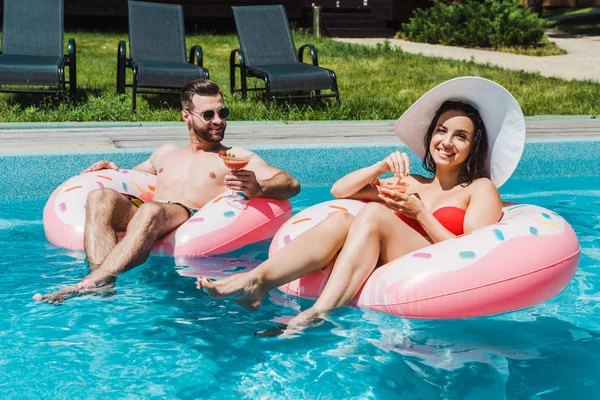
(138, 202)
(190, 210)
(134, 200)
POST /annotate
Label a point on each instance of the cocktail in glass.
(397, 186)
(235, 163)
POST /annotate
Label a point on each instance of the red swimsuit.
(452, 218)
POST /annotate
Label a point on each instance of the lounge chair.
(157, 51)
(268, 53)
(33, 48)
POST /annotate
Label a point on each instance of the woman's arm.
(355, 185)
(485, 206)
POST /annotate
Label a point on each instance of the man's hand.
(245, 181)
(100, 165)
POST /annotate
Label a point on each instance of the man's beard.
(204, 134)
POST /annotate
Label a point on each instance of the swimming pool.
(160, 337)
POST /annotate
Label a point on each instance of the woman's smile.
(445, 153)
(451, 141)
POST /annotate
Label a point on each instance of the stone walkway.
(581, 61)
(88, 136)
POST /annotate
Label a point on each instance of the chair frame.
(123, 63)
(246, 72)
(68, 60)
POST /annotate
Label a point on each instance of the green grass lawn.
(375, 83)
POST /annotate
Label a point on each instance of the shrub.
(475, 23)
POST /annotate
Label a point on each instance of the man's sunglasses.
(209, 115)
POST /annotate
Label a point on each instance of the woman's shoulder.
(483, 188)
(483, 184)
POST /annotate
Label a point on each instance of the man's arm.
(280, 186)
(260, 179)
(148, 165)
(145, 166)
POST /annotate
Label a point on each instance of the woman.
(459, 198)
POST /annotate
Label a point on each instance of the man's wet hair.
(201, 87)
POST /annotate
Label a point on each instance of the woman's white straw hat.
(500, 112)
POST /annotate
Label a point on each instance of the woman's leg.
(375, 235)
(309, 252)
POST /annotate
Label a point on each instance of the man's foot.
(241, 288)
(82, 288)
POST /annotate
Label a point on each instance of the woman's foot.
(82, 288)
(241, 288)
(306, 319)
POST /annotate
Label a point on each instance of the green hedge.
(475, 23)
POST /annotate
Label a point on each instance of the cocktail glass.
(235, 163)
(397, 186)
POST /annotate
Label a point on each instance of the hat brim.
(500, 112)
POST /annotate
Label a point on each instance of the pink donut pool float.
(215, 229)
(528, 257)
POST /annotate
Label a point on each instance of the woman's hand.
(408, 204)
(100, 165)
(397, 163)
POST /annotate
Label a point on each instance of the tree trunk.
(537, 6)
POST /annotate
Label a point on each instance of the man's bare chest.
(193, 171)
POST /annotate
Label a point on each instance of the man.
(187, 179)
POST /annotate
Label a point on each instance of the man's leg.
(150, 223)
(107, 211)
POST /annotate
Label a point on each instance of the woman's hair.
(475, 164)
(201, 87)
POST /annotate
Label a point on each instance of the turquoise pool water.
(157, 336)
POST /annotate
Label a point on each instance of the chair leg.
(121, 63)
(72, 82)
(133, 99)
(232, 73)
(134, 90)
(243, 77)
(72, 49)
(335, 86)
(62, 84)
(268, 94)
